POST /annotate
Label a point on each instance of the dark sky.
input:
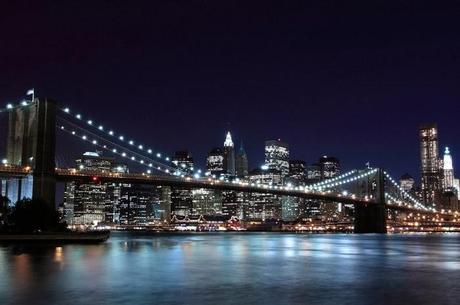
(353, 79)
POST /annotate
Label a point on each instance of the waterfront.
(236, 268)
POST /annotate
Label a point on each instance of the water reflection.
(236, 269)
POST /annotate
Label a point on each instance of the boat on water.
(53, 237)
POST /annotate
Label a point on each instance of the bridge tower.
(32, 142)
(372, 218)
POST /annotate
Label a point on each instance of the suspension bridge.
(31, 154)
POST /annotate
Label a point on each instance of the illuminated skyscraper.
(181, 198)
(215, 162)
(430, 169)
(277, 156)
(330, 167)
(88, 203)
(183, 162)
(229, 155)
(448, 169)
(298, 170)
(407, 182)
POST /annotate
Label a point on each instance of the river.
(240, 268)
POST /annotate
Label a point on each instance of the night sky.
(345, 78)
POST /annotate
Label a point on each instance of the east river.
(244, 268)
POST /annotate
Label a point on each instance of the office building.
(241, 162)
(430, 163)
(229, 156)
(215, 162)
(277, 156)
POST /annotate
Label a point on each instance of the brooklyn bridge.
(30, 164)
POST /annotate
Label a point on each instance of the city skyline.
(331, 97)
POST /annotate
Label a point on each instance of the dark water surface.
(224, 268)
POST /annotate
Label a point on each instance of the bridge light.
(62, 127)
(73, 132)
(90, 122)
(114, 150)
(149, 171)
(66, 110)
(167, 158)
(121, 138)
(24, 103)
(131, 142)
(83, 137)
(9, 106)
(133, 158)
(142, 161)
(123, 154)
(78, 116)
(101, 127)
(149, 151)
(158, 155)
(94, 142)
(111, 132)
(141, 147)
(4, 161)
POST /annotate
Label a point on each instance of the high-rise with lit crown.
(448, 170)
(229, 155)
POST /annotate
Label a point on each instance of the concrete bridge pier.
(372, 218)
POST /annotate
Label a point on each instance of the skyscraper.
(277, 156)
(448, 170)
(407, 182)
(181, 198)
(229, 155)
(430, 171)
(215, 162)
(183, 162)
(90, 203)
(330, 167)
(298, 170)
(241, 162)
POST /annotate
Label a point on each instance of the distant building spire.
(448, 169)
(241, 151)
(228, 140)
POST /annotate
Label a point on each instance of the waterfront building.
(241, 162)
(181, 198)
(92, 203)
(206, 202)
(277, 156)
(265, 206)
(229, 156)
(143, 204)
(430, 163)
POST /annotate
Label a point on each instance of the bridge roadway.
(64, 175)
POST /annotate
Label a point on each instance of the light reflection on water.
(228, 268)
